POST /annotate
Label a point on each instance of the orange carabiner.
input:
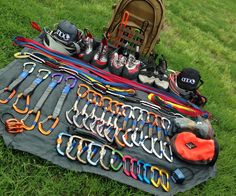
(83, 94)
(117, 140)
(30, 128)
(27, 103)
(12, 94)
(47, 132)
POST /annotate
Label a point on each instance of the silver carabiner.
(33, 65)
(134, 137)
(125, 138)
(149, 151)
(170, 157)
(154, 141)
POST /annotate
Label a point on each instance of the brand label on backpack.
(63, 35)
(188, 80)
(190, 145)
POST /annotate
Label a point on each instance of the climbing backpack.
(137, 22)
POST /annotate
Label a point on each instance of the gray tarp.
(44, 146)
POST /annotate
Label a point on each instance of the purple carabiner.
(73, 79)
(58, 80)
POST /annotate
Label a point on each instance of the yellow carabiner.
(154, 182)
(166, 186)
(22, 55)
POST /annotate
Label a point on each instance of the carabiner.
(103, 153)
(125, 170)
(134, 137)
(132, 162)
(141, 118)
(151, 124)
(12, 94)
(117, 140)
(154, 182)
(139, 164)
(59, 142)
(135, 121)
(166, 128)
(51, 129)
(71, 78)
(127, 116)
(59, 79)
(75, 106)
(21, 55)
(149, 151)
(114, 158)
(43, 76)
(154, 141)
(82, 149)
(71, 144)
(92, 153)
(145, 173)
(36, 119)
(166, 186)
(170, 157)
(32, 65)
(107, 132)
(125, 138)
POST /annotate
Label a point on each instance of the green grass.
(199, 34)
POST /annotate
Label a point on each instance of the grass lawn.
(200, 34)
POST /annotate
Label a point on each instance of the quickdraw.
(56, 79)
(80, 95)
(11, 88)
(42, 75)
(69, 85)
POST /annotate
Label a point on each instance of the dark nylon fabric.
(45, 146)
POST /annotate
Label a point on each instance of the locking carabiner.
(156, 182)
(71, 144)
(82, 149)
(165, 183)
(103, 153)
(125, 170)
(132, 163)
(145, 173)
(139, 164)
(59, 142)
(92, 152)
(114, 158)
